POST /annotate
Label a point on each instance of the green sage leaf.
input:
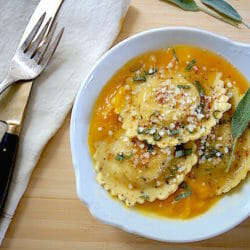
(183, 195)
(119, 156)
(186, 194)
(190, 65)
(150, 147)
(122, 156)
(183, 152)
(156, 136)
(175, 55)
(174, 132)
(215, 113)
(144, 196)
(241, 116)
(181, 86)
(200, 108)
(199, 88)
(139, 78)
(224, 8)
(213, 152)
(240, 122)
(188, 5)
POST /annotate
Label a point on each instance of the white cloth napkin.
(90, 28)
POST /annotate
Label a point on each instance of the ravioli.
(160, 133)
(136, 172)
(214, 151)
(167, 112)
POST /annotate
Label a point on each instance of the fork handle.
(8, 150)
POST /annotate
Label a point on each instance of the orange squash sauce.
(104, 120)
(197, 203)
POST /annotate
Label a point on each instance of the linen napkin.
(90, 28)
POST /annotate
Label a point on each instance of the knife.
(13, 105)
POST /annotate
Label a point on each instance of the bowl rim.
(92, 210)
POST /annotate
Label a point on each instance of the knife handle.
(8, 150)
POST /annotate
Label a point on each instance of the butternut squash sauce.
(104, 121)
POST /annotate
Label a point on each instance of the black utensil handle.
(8, 150)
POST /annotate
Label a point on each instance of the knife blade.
(13, 104)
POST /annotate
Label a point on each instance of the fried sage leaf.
(224, 8)
(240, 122)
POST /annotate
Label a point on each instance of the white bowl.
(226, 214)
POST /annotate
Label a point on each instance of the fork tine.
(40, 52)
(33, 33)
(50, 52)
(34, 45)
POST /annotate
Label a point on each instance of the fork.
(32, 57)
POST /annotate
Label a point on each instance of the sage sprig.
(226, 12)
(241, 118)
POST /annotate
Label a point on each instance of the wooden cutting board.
(50, 216)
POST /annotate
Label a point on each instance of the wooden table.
(50, 216)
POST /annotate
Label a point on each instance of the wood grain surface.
(50, 216)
